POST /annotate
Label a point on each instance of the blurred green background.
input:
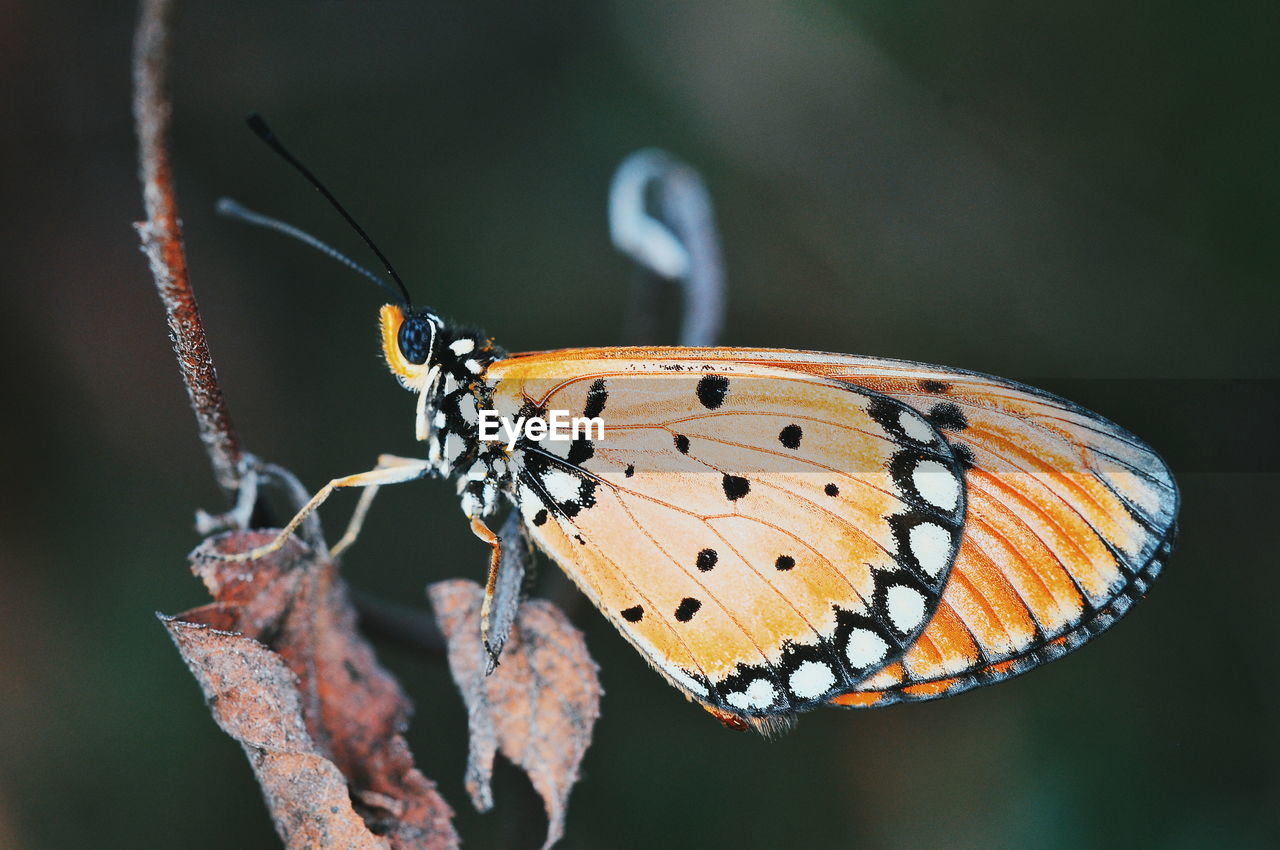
(1056, 192)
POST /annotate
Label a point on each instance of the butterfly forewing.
(766, 538)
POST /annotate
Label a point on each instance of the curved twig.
(681, 244)
(161, 236)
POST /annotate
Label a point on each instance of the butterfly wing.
(767, 539)
(1067, 519)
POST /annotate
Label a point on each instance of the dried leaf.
(538, 707)
(254, 698)
(287, 674)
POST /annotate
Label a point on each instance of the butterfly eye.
(417, 335)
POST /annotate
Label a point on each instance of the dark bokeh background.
(1063, 193)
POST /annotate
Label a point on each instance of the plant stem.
(161, 236)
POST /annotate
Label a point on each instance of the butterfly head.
(411, 339)
(431, 356)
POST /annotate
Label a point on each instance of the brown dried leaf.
(538, 707)
(287, 674)
(254, 698)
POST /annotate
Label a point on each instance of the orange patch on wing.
(858, 699)
(935, 688)
(951, 643)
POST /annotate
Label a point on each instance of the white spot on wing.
(561, 485)
(865, 648)
(931, 544)
(759, 694)
(915, 427)
(453, 447)
(811, 679)
(936, 484)
(906, 607)
(528, 503)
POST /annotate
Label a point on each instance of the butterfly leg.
(406, 469)
(507, 563)
(366, 499)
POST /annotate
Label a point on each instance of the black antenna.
(232, 209)
(259, 127)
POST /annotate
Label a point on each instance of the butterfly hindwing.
(1069, 520)
(767, 539)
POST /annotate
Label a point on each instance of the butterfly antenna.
(232, 209)
(260, 128)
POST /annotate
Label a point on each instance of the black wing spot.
(682, 444)
(784, 562)
(931, 386)
(712, 389)
(735, 487)
(947, 416)
(707, 559)
(633, 614)
(630, 471)
(831, 490)
(963, 454)
(597, 395)
(581, 450)
(790, 436)
(540, 517)
(688, 607)
(570, 508)
(587, 492)
(887, 414)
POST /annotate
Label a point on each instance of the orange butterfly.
(775, 530)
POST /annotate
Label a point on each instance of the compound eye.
(416, 337)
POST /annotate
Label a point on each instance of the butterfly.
(776, 530)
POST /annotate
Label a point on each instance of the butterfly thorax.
(451, 412)
(446, 367)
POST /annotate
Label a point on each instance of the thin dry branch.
(161, 236)
(278, 653)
